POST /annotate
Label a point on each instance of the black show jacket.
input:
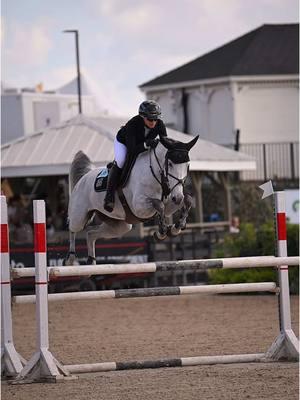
(132, 135)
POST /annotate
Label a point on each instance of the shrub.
(252, 242)
(242, 244)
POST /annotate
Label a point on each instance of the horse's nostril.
(177, 199)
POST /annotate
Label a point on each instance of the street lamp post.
(78, 66)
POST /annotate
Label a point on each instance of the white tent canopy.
(51, 151)
(72, 88)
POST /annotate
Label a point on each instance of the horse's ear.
(166, 143)
(190, 144)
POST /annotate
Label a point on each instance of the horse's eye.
(170, 165)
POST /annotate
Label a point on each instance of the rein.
(164, 174)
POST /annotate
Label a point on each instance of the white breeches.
(120, 153)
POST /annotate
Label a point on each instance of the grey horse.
(154, 187)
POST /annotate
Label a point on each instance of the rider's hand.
(152, 143)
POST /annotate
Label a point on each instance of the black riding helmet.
(150, 109)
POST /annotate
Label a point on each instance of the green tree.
(248, 205)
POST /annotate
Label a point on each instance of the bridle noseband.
(164, 174)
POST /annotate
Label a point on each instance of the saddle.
(101, 184)
(102, 177)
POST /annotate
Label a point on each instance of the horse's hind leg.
(70, 257)
(76, 224)
(90, 240)
(106, 231)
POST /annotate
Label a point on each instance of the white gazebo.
(50, 152)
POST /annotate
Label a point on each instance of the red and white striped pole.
(41, 275)
(286, 345)
(11, 361)
(42, 366)
(283, 273)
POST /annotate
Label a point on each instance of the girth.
(130, 218)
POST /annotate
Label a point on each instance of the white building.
(25, 111)
(241, 94)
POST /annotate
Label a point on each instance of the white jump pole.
(286, 345)
(156, 291)
(11, 361)
(42, 366)
(196, 265)
(165, 363)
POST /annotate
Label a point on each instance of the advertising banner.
(292, 205)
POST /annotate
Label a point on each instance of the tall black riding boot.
(112, 183)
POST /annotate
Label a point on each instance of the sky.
(122, 43)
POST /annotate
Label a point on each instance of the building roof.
(72, 87)
(267, 50)
(50, 152)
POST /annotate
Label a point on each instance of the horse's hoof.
(69, 259)
(173, 231)
(158, 237)
(91, 261)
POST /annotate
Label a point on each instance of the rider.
(138, 135)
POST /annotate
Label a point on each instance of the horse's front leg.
(184, 212)
(159, 206)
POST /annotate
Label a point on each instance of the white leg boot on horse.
(113, 180)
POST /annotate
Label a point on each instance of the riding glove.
(151, 143)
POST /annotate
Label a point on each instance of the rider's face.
(150, 123)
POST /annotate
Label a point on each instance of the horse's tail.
(80, 166)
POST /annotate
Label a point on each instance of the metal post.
(292, 161)
(265, 161)
(78, 71)
(237, 148)
(78, 66)
(237, 140)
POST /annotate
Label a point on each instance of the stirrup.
(109, 207)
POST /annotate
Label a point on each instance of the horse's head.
(178, 152)
(176, 166)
